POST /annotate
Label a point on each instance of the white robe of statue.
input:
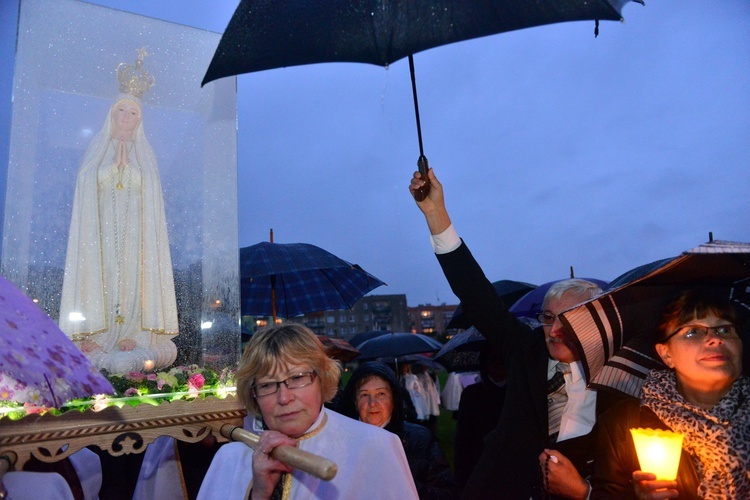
(118, 299)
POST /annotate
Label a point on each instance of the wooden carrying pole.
(299, 459)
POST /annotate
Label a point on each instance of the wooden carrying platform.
(119, 431)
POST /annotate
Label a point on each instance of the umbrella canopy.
(39, 364)
(530, 305)
(264, 35)
(416, 359)
(394, 345)
(615, 330)
(508, 290)
(361, 337)
(461, 353)
(296, 278)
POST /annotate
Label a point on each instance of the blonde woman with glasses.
(283, 380)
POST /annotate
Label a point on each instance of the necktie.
(557, 396)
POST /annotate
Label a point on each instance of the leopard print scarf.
(718, 440)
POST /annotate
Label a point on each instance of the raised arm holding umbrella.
(553, 412)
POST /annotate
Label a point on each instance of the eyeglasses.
(546, 318)
(294, 382)
(698, 333)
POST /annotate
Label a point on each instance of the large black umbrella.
(295, 278)
(615, 330)
(265, 34)
(508, 290)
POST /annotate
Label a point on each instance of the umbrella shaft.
(416, 105)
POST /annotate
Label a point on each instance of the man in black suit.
(542, 439)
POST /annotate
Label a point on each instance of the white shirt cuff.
(445, 242)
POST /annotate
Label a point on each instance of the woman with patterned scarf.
(702, 395)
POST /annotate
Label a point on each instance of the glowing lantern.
(658, 451)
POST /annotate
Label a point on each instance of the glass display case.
(120, 214)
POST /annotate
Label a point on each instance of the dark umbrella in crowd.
(461, 353)
(295, 278)
(414, 359)
(361, 337)
(508, 290)
(615, 330)
(265, 35)
(394, 345)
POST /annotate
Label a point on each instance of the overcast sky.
(556, 149)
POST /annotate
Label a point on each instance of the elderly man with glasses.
(542, 443)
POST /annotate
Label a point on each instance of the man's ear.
(663, 351)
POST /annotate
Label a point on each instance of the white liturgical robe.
(371, 464)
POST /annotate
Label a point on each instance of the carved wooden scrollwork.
(119, 431)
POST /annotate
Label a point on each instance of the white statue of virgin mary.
(118, 300)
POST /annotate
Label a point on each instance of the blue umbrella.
(530, 305)
(394, 345)
(295, 278)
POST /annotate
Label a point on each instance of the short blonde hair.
(273, 347)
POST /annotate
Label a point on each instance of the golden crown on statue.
(134, 79)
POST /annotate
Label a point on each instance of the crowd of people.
(530, 427)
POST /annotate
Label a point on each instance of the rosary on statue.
(122, 163)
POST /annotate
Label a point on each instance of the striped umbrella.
(615, 331)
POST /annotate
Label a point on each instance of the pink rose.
(196, 382)
(100, 402)
(151, 377)
(136, 376)
(131, 392)
(31, 408)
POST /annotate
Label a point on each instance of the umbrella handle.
(421, 193)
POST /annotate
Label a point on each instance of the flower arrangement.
(134, 388)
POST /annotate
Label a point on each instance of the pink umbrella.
(39, 364)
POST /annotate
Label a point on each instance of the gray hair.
(581, 288)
